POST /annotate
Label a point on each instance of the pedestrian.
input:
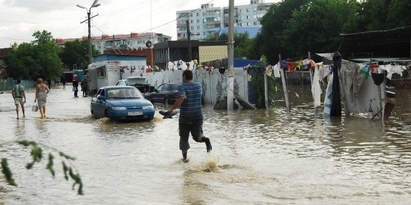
(19, 97)
(84, 87)
(41, 97)
(63, 80)
(75, 85)
(191, 114)
(49, 83)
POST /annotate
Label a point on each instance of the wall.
(214, 83)
(7, 84)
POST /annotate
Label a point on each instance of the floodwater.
(258, 157)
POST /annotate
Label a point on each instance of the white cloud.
(19, 19)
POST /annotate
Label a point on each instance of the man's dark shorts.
(187, 126)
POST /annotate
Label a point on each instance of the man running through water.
(191, 113)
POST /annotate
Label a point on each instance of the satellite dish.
(149, 44)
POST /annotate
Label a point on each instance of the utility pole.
(230, 50)
(189, 40)
(90, 51)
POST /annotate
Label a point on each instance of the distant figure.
(63, 80)
(75, 85)
(49, 83)
(19, 97)
(41, 97)
(84, 87)
(57, 81)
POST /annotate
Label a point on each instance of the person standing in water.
(75, 86)
(19, 97)
(191, 114)
(41, 97)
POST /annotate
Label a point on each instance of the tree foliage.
(69, 170)
(242, 43)
(293, 28)
(399, 13)
(268, 40)
(316, 26)
(76, 53)
(40, 58)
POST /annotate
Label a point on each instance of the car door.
(99, 103)
(157, 96)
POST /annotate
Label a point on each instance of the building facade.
(208, 19)
(116, 43)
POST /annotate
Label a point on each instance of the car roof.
(116, 86)
(135, 77)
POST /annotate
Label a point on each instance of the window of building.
(101, 71)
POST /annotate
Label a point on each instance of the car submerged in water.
(121, 103)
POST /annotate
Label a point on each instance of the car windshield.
(169, 87)
(133, 81)
(123, 93)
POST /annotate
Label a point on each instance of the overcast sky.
(19, 19)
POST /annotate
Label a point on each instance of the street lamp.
(95, 4)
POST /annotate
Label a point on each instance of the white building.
(208, 19)
(122, 41)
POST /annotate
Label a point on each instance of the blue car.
(121, 103)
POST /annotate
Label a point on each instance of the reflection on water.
(259, 156)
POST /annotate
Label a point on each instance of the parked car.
(137, 81)
(121, 103)
(166, 93)
(121, 82)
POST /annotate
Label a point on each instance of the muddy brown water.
(258, 157)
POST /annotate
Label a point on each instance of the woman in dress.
(41, 97)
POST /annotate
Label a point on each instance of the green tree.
(268, 40)
(242, 43)
(40, 58)
(76, 52)
(399, 13)
(373, 15)
(317, 26)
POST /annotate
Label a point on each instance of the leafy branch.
(69, 169)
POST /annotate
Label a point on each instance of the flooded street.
(258, 157)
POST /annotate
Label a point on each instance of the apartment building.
(132, 41)
(207, 20)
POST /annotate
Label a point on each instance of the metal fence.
(7, 84)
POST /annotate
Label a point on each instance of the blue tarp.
(238, 62)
